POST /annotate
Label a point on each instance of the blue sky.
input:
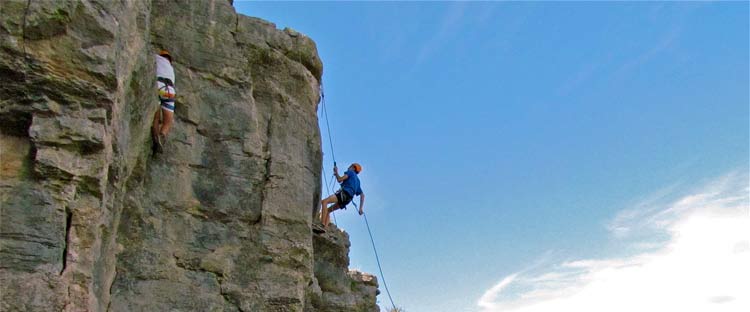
(512, 139)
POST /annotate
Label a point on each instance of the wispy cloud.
(580, 77)
(701, 266)
(666, 42)
(663, 44)
(449, 27)
(487, 301)
(650, 216)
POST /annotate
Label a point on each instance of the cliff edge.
(90, 221)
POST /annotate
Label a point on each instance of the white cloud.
(702, 265)
(487, 300)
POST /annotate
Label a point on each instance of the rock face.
(90, 221)
(336, 288)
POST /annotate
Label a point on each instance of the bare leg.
(324, 216)
(157, 123)
(167, 122)
(324, 205)
(330, 209)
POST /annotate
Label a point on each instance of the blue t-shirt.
(351, 184)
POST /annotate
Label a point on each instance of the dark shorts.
(343, 198)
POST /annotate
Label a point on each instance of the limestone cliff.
(90, 221)
(336, 288)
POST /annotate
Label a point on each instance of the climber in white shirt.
(165, 84)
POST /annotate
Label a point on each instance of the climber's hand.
(361, 212)
(335, 170)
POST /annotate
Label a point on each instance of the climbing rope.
(372, 240)
(328, 189)
(325, 111)
(377, 258)
(330, 141)
(333, 212)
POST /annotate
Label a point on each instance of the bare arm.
(339, 178)
(361, 203)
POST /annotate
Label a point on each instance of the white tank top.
(164, 68)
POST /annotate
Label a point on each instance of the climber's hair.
(165, 54)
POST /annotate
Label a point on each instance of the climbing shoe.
(318, 228)
(154, 146)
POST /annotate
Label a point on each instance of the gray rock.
(335, 287)
(89, 221)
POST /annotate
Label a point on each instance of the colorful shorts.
(167, 94)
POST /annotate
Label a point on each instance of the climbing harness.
(166, 93)
(372, 240)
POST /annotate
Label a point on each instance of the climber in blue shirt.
(349, 188)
